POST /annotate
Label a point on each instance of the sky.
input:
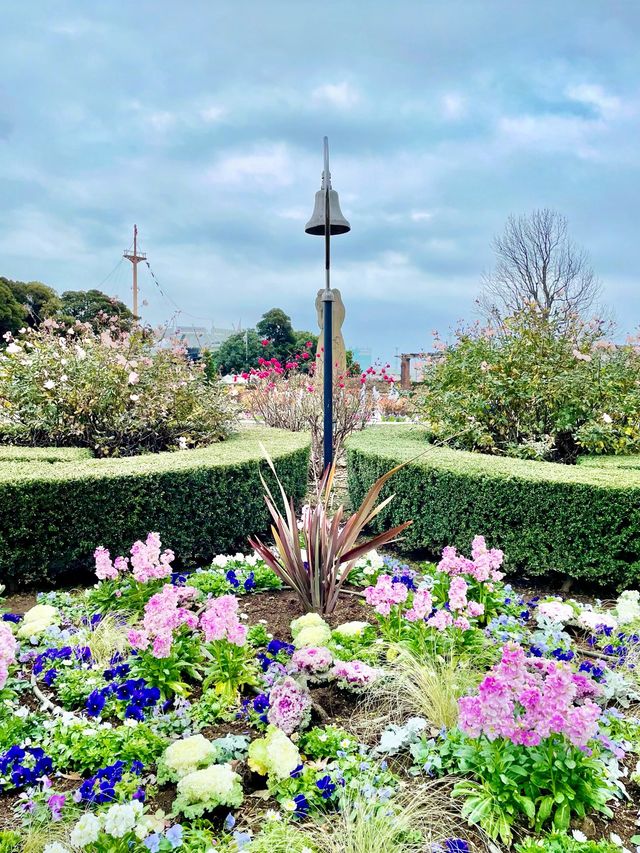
(202, 121)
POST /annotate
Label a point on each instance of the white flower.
(270, 814)
(49, 384)
(119, 820)
(86, 831)
(607, 418)
(133, 378)
(628, 606)
(134, 397)
(13, 348)
(56, 847)
(182, 443)
(80, 352)
(351, 629)
(220, 561)
(579, 836)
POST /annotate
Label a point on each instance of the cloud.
(36, 235)
(270, 166)
(211, 114)
(606, 105)
(454, 106)
(342, 95)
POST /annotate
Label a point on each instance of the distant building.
(362, 355)
(198, 338)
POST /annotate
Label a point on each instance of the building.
(362, 355)
(198, 338)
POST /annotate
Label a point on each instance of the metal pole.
(135, 272)
(327, 299)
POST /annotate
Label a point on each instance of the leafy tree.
(538, 264)
(39, 300)
(95, 307)
(12, 314)
(237, 354)
(275, 326)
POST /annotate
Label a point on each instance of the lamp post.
(327, 219)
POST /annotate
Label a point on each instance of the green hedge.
(58, 506)
(582, 521)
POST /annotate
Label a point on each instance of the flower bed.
(436, 711)
(581, 520)
(202, 501)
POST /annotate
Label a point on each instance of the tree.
(275, 326)
(95, 307)
(39, 300)
(538, 264)
(12, 314)
(237, 354)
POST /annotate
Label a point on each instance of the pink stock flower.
(8, 647)
(529, 699)
(421, 607)
(475, 608)
(441, 619)
(220, 621)
(385, 594)
(163, 615)
(458, 593)
(105, 569)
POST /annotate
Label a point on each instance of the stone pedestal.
(339, 351)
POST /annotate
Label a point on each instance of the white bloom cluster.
(119, 820)
(370, 564)
(628, 606)
(222, 560)
(592, 619)
(351, 629)
(556, 610)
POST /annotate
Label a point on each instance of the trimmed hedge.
(58, 506)
(580, 520)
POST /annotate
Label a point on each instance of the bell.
(337, 223)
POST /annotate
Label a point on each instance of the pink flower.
(8, 647)
(475, 608)
(354, 674)
(385, 594)
(220, 621)
(105, 569)
(458, 593)
(312, 661)
(441, 619)
(289, 705)
(422, 605)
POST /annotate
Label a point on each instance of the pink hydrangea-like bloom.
(105, 569)
(421, 606)
(462, 623)
(289, 705)
(312, 661)
(458, 593)
(147, 562)
(483, 566)
(385, 594)
(8, 647)
(220, 621)
(354, 674)
(163, 615)
(475, 608)
(441, 619)
(529, 699)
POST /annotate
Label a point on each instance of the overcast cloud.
(203, 123)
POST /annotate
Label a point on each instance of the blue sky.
(203, 123)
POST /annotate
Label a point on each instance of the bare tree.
(538, 263)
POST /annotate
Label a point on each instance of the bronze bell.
(337, 223)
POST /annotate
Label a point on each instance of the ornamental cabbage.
(37, 620)
(274, 755)
(185, 756)
(204, 790)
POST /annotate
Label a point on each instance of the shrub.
(202, 502)
(583, 521)
(535, 390)
(111, 392)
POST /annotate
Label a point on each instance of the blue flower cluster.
(11, 617)
(24, 766)
(133, 691)
(248, 584)
(101, 787)
(596, 672)
(81, 653)
(279, 651)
